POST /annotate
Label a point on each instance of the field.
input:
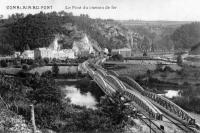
(134, 70)
(10, 70)
(188, 74)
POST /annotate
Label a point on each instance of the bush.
(41, 62)
(3, 63)
(25, 67)
(23, 61)
(23, 74)
(117, 57)
(55, 69)
(46, 60)
(145, 54)
(159, 67)
(46, 74)
(54, 60)
(17, 63)
(168, 69)
(30, 62)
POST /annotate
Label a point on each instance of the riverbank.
(61, 110)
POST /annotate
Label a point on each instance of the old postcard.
(99, 66)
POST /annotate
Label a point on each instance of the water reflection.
(80, 99)
(172, 93)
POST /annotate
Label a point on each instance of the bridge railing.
(136, 97)
(116, 83)
(110, 84)
(131, 83)
(113, 73)
(100, 81)
(103, 74)
(170, 106)
(162, 101)
(148, 107)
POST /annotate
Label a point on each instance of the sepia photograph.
(99, 66)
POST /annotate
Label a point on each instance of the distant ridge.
(157, 22)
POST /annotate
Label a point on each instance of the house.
(105, 50)
(16, 54)
(28, 54)
(125, 52)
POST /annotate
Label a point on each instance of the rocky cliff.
(83, 44)
(76, 40)
(117, 36)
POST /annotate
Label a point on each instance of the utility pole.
(33, 118)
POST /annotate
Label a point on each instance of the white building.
(28, 54)
(105, 50)
(125, 52)
(51, 53)
(54, 51)
(16, 54)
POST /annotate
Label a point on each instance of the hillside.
(186, 36)
(167, 35)
(19, 32)
(109, 33)
(157, 32)
(154, 23)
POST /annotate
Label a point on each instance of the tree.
(30, 61)
(55, 69)
(25, 67)
(3, 63)
(116, 110)
(46, 60)
(145, 53)
(152, 37)
(117, 57)
(159, 67)
(47, 74)
(5, 48)
(23, 34)
(179, 60)
(27, 47)
(145, 46)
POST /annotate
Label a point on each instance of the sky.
(172, 10)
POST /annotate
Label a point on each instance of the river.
(171, 93)
(77, 98)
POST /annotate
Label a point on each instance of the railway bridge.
(151, 104)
